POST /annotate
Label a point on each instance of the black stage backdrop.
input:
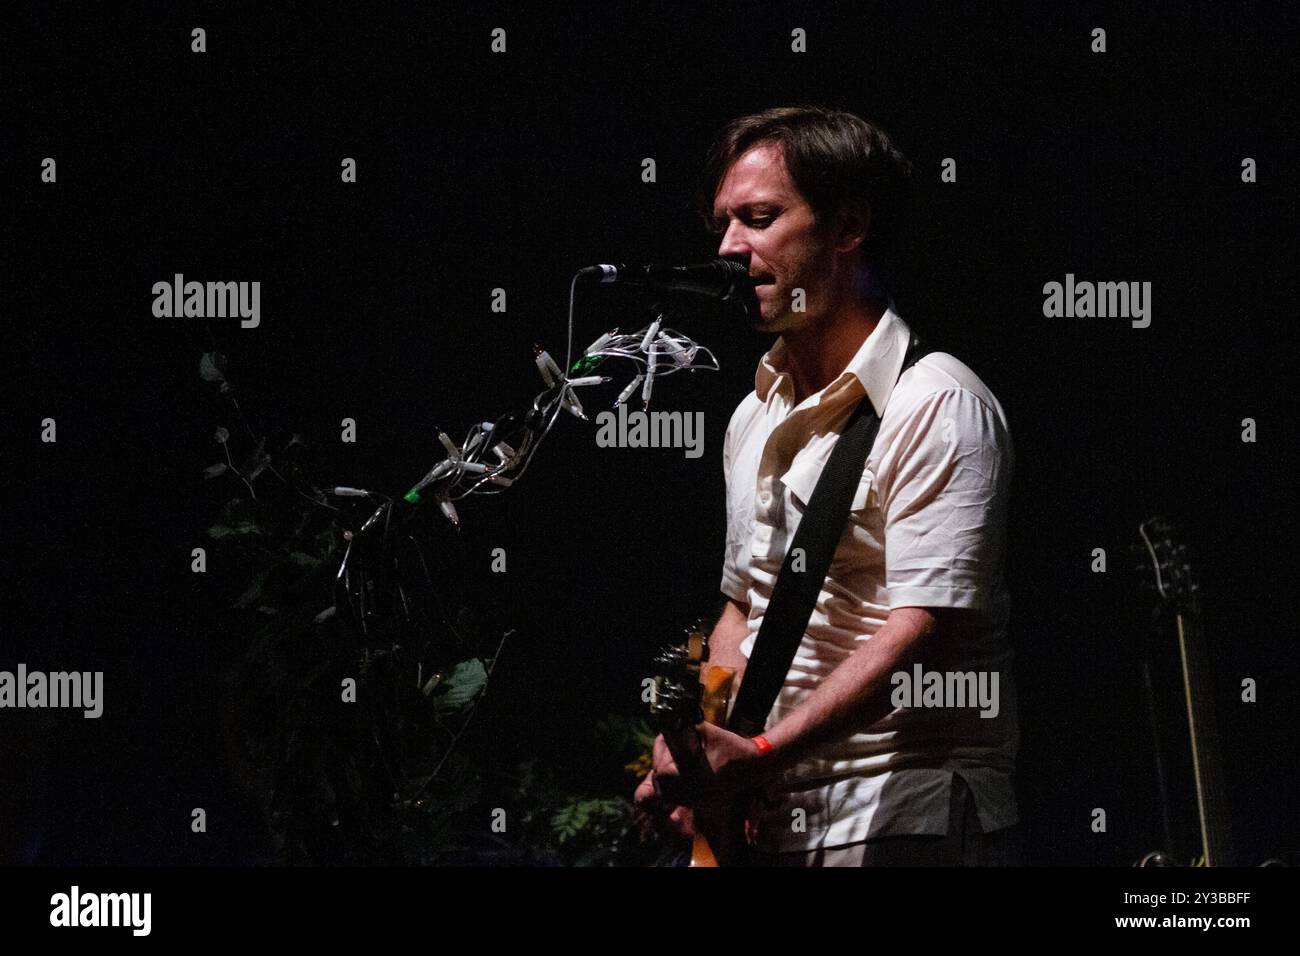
(478, 171)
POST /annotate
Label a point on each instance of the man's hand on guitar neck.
(726, 749)
(735, 765)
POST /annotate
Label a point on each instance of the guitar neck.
(715, 692)
(1207, 767)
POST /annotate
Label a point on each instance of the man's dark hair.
(836, 160)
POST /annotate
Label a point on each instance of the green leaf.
(624, 733)
(566, 822)
(592, 818)
(254, 590)
(239, 528)
(220, 468)
(212, 367)
(643, 735)
(325, 543)
(459, 688)
(257, 461)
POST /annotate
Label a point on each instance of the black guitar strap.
(795, 594)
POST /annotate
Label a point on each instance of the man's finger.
(660, 751)
(646, 793)
(683, 821)
(663, 759)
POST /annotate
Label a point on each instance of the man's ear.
(853, 223)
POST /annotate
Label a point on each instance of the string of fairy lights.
(496, 454)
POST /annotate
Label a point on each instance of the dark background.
(479, 170)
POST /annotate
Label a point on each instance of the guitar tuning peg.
(669, 657)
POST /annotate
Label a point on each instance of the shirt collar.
(874, 367)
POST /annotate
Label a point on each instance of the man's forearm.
(728, 634)
(858, 689)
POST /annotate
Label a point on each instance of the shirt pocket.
(801, 485)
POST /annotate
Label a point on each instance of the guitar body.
(687, 692)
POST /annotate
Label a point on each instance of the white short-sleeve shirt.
(926, 529)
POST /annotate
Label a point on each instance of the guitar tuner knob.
(666, 664)
(671, 692)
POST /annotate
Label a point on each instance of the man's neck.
(816, 355)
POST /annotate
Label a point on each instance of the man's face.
(763, 218)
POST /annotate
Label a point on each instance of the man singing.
(869, 757)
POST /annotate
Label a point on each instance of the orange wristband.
(762, 743)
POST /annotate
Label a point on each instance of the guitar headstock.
(1166, 563)
(675, 699)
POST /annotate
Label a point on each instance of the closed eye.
(758, 222)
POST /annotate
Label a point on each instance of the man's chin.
(762, 321)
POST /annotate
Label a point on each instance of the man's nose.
(733, 245)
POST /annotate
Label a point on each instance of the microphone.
(717, 278)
